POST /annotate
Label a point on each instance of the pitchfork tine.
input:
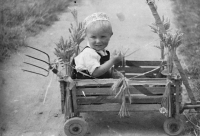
(35, 73)
(35, 66)
(40, 51)
(37, 59)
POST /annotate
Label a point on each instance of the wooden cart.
(150, 91)
(147, 94)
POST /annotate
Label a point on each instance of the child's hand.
(117, 56)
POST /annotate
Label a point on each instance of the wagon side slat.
(74, 100)
(133, 63)
(136, 69)
(143, 63)
(63, 94)
(111, 99)
(108, 91)
(115, 107)
(109, 82)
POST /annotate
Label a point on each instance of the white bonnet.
(95, 17)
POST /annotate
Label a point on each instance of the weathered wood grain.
(109, 82)
(133, 63)
(62, 92)
(142, 63)
(108, 91)
(74, 100)
(116, 107)
(135, 69)
(111, 99)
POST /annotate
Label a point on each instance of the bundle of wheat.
(170, 42)
(121, 89)
(67, 50)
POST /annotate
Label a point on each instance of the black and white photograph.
(99, 68)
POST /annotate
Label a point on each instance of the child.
(94, 61)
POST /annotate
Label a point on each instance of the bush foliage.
(188, 19)
(187, 15)
(22, 18)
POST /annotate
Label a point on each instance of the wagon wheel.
(75, 127)
(173, 126)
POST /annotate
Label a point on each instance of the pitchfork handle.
(54, 70)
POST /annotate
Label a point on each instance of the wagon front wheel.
(75, 127)
(173, 126)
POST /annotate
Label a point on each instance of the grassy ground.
(187, 15)
(22, 18)
(188, 20)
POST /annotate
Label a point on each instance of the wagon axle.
(192, 106)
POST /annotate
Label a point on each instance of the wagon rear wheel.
(173, 126)
(75, 127)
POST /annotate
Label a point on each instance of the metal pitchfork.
(47, 62)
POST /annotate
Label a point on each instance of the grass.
(22, 18)
(187, 16)
(188, 20)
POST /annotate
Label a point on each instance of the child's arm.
(107, 65)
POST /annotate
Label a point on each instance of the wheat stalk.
(66, 50)
(121, 89)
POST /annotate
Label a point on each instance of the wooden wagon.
(149, 88)
(147, 94)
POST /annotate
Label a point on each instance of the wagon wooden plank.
(68, 104)
(112, 99)
(74, 100)
(62, 92)
(142, 75)
(108, 91)
(133, 63)
(148, 79)
(109, 82)
(177, 102)
(127, 75)
(142, 63)
(116, 107)
(136, 69)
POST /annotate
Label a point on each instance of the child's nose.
(98, 40)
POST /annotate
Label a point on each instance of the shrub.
(21, 18)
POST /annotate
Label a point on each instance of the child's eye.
(103, 36)
(93, 37)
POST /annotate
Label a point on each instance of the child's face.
(98, 38)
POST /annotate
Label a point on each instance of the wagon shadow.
(139, 123)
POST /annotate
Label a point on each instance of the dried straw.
(121, 89)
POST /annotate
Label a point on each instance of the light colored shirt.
(88, 59)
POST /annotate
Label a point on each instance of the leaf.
(154, 28)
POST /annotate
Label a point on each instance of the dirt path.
(24, 109)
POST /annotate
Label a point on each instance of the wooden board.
(116, 107)
(136, 69)
(109, 82)
(108, 91)
(142, 63)
(63, 94)
(111, 99)
(132, 63)
(74, 100)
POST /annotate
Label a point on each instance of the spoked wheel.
(173, 126)
(75, 127)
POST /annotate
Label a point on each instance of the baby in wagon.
(94, 61)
